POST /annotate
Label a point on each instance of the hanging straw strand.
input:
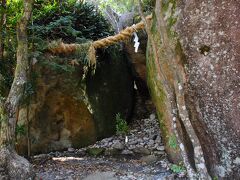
(108, 41)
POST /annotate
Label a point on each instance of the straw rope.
(122, 36)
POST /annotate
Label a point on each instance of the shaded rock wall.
(204, 35)
(69, 111)
(138, 61)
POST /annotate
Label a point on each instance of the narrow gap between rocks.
(71, 106)
(141, 157)
(140, 154)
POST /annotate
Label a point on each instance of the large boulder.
(72, 107)
(204, 37)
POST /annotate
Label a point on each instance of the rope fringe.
(122, 36)
(62, 48)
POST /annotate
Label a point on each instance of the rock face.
(69, 111)
(138, 60)
(205, 36)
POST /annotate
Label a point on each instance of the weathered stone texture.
(68, 111)
(209, 35)
(209, 32)
(138, 61)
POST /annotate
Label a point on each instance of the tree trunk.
(16, 167)
(2, 27)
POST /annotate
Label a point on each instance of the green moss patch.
(95, 151)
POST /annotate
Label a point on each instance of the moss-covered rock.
(155, 84)
(70, 106)
(95, 151)
(204, 39)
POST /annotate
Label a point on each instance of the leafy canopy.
(123, 6)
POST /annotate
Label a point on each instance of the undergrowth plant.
(20, 130)
(172, 142)
(177, 168)
(121, 125)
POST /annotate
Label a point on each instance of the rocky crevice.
(141, 157)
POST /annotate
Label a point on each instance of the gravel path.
(86, 167)
(141, 157)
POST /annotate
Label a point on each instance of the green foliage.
(20, 130)
(95, 151)
(82, 53)
(3, 117)
(172, 142)
(71, 22)
(177, 168)
(6, 75)
(123, 6)
(60, 68)
(170, 8)
(29, 89)
(13, 12)
(121, 125)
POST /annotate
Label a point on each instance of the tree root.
(15, 167)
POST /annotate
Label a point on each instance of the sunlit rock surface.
(209, 35)
(69, 111)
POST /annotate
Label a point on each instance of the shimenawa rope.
(125, 34)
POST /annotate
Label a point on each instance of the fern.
(121, 125)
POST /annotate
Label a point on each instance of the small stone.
(71, 149)
(152, 116)
(81, 152)
(132, 142)
(154, 137)
(43, 156)
(165, 164)
(112, 152)
(169, 177)
(108, 139)
(118, 145)
(160, 148)
(149, 159)
(127, 152)
(115, 141)
(2, 170)
(95, 151)
(145, 138)
(155, 146)
(159, 152)
(131, 147)
(57, 177)
(158, 140)
(151, 142)
(237, 161)
(142, 150)
(101, 176)
(70, 172)
(138, 145)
